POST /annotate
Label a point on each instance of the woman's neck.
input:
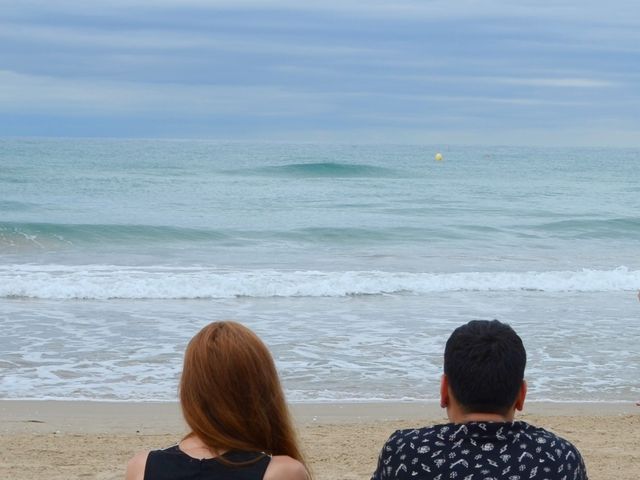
(193, 446)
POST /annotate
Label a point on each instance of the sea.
(354, 263)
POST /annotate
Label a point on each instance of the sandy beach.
(93, 440)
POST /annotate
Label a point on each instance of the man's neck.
(458, 415)
(482, 417)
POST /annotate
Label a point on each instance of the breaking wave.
(128, 282)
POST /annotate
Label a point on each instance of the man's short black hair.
(484, 363)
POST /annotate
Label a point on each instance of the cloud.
(22, 93)
(568, 9)
(552, 82)
(82, 38)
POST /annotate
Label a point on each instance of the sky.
(562, 73)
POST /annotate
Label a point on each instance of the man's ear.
(521, 396)
(444, 391)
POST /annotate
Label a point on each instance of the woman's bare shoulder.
(135, 467)
(283, 467)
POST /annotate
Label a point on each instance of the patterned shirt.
(479, 451)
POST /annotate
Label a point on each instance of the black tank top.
(173, 464)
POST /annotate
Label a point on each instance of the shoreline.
(82, 416)
(62, 440)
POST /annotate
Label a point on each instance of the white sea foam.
(369, 348)
(111, 281)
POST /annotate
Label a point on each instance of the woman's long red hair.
(231, 395)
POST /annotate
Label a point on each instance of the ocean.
(353, 263)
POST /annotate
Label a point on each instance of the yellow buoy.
(438, 157)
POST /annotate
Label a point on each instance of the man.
(482, 387)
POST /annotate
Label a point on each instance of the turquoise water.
(353, 262)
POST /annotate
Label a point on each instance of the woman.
(233, 402)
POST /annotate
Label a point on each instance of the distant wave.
(112, 281)
(55, 235)
(320, 169)
(592, 228)
(51, 234)
(44, 236)
(11, 206)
